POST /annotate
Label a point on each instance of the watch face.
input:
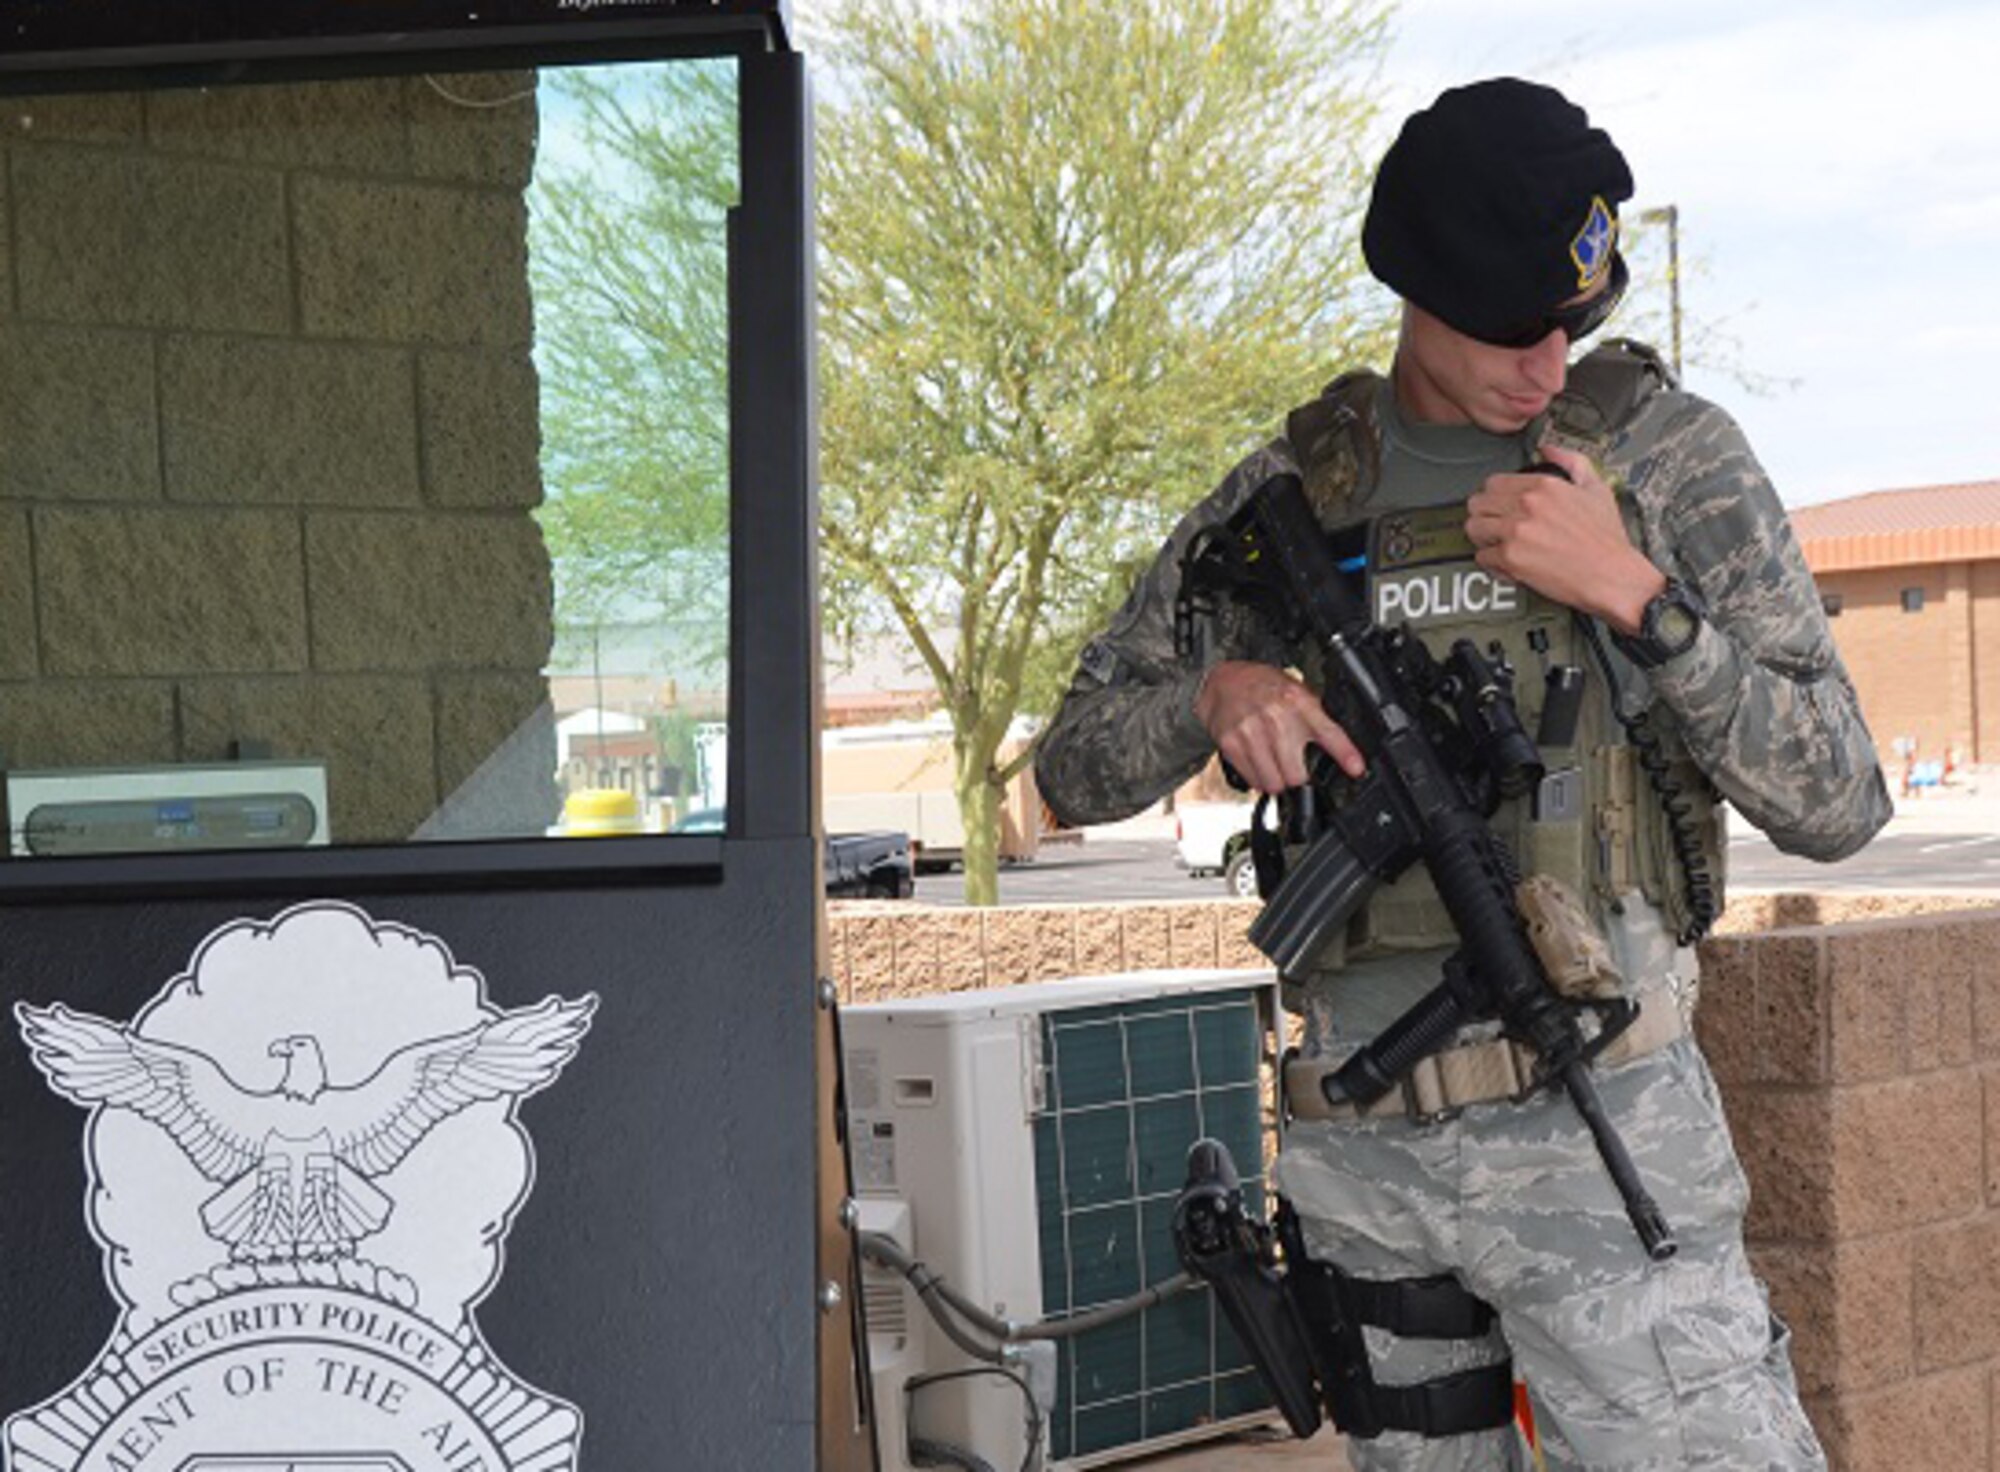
(1675, 626)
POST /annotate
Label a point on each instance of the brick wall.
(268, 435)
(1857, 1043)
(1920, 674)
(1985, 643)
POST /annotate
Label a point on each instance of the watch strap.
(1648, 649)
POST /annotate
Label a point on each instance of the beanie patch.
(1594, 244)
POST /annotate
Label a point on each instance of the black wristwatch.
(1668, 627)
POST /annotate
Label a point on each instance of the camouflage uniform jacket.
(1761, 701)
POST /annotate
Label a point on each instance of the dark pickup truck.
(874, 866)
(869, 866)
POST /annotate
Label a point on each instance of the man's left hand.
(1563, 539)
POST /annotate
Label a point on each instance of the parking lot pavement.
(1947, 838)
(1943, 839)
(1094, 871)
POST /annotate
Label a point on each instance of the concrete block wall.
(1861, 1067)
(1856, 1040)
(881, 949)
(269, 444)
(885, 949)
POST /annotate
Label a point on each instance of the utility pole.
(1670, 216)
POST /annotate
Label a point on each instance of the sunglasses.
(1574, 322)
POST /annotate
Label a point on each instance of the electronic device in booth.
(167, 809)
(1028, 1144)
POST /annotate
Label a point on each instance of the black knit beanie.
(1495, 203)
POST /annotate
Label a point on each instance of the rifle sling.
(1474, 1073)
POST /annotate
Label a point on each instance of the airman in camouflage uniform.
(1631, 1364)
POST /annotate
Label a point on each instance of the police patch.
(1448, 592)
(1593, 245)
(1424, 573)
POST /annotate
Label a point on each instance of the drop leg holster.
(1332, 1307)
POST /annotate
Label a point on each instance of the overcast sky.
(1836, 167)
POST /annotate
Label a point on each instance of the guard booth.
(363, 368)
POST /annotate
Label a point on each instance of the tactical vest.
(1597, 822)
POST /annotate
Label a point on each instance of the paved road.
(1895, 860)
(1144, 869)
(1090, 872)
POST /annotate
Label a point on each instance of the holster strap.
(1439, 1307)
(1479, 1399)
(1332, 1306)
(1477, 1073)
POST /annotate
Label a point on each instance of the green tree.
(1076, 257)
(629, 262)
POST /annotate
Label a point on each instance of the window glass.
(1913, 600)
(364, 458)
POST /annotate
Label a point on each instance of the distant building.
(877, 681)
(1911, 582)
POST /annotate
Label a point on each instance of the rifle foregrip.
(1373, 1070)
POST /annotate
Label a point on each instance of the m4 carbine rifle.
(1413, 804)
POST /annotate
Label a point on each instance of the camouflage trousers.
(1631, 1365)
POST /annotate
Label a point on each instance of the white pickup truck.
(1214, 838)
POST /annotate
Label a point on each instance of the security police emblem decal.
(1593, 246)
(304, 1158)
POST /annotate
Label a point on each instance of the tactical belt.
(1476, 1073)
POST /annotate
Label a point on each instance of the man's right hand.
(1262, 721)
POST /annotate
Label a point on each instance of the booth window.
(1913, 600)
(364, 459)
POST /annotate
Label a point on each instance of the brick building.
(1911, 580)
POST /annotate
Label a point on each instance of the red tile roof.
(1898, 528)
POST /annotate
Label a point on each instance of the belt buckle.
(1414, 1108)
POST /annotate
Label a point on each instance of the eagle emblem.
(296, 1163)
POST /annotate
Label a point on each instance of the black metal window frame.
(773, 639)
(62, 46)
